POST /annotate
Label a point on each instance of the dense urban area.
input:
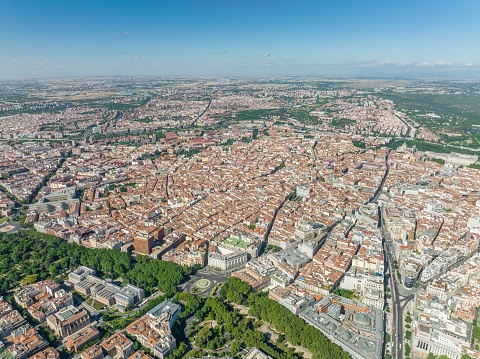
(279, 218)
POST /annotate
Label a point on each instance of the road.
(204, 111)
(397, 323)
(380, 187)
(400, 301)
(15, 226)
(212, 275)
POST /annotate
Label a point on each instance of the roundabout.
(201, 285)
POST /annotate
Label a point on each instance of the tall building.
(143, 245)
(154, 329)
(68, 321)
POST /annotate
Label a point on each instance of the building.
(94, 352)
(223, 258)
(68, 321)
(10, 322)
(139, 355)
(303, 191)
(127, 296)
(292, 256)
(104, 291)
(80, 274)
(49, 353)
(169, 242)
(25, 342)
(255, 353)
(410, 275)
(154, 329)
(357, 328)
(143, 245)
(436, 331)
(25, 296)
(80, 339)
(289, 300)
(118, 345)
(256, 281)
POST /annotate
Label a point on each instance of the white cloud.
(265, 54)
(38, 65)
(413, 64)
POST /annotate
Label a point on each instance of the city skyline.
(373, 38)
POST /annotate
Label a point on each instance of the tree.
(30, 279)
(179, 352)
(295, 329)
(346, 293)
(476, 333)
(36, 256)
(235, 290)
(407, 349)
(234, 348)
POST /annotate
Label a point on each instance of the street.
(400, 300)
(212, 275)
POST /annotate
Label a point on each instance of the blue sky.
(240, 37)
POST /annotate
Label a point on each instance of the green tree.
(30, 279)
(235, 290)
(407, 349)
(234, 348)
(476, 333)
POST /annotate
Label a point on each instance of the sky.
(404, 38)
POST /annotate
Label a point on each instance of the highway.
(397, 323)
(204, 111)
(400, 300)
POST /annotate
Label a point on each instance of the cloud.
(265, 54)
(413, 64)
(218, 52)
(40, 64)
(125, 33)
(136, 58)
